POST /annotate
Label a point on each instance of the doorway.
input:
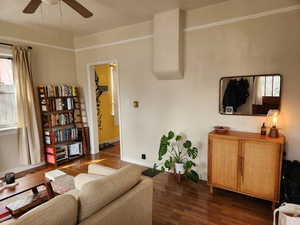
(98, 133)
(107, 109)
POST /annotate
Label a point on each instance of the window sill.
(8, 131)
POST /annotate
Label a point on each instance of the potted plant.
(180, 155)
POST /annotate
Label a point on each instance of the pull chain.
(42, 14)
(60, 13)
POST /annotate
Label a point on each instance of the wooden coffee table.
(26, 183)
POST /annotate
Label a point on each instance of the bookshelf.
(63, 128)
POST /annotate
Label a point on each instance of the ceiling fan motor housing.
(51, 2)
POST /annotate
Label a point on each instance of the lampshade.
(273, 115)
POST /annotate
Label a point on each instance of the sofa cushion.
(62, 210)
(84, 178)
(96, 194)
(132, 208)
(100, 170)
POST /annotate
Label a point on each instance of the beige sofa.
(104, 196)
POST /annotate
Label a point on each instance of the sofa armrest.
(61, 210)
(100, 170)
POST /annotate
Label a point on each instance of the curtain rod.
(2, 43)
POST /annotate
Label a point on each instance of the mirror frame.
(254, 75)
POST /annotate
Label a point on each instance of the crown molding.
(204, 26)
(114, 43)
(243, 18)
(189, 29)
(18, 40)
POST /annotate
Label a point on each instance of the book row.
(62, 135)
(59, 104)
(61, 118)
(57, 91)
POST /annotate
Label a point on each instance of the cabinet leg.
(211, 189)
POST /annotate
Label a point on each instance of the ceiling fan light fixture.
(51, 2)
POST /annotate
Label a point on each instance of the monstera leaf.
(171, 134)
(168, 164)
(193, 176)
(192, 152)
(187, 144)
(188, 165)
(164, 143)
(163, 148)
(178, 138)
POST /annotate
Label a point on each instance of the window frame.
(7, 126)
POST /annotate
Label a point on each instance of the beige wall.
(266, 44)
(36, 34)
(50, 66)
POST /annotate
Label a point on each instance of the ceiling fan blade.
(79, 8)
(32, 6)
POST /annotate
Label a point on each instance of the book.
(47, 140)
(4, 214)
(44, 108)
(54, 174)
(75, 149)
(50, 150)
(26, 203)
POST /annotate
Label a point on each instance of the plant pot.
(179, 168)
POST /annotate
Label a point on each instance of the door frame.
(92, 112)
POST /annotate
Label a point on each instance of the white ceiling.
(108, 14)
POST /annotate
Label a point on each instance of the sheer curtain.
(29, 141)
(258, 90)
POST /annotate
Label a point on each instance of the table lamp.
(273, 117)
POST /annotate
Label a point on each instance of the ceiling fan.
(34, 4)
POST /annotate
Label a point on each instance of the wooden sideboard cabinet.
(247, 163)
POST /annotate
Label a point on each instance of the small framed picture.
(229, 110)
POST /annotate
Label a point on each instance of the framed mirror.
(250, 95)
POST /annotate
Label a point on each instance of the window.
(7, 94)
(272, 86)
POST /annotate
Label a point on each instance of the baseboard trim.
(110, 141)
(139, 162)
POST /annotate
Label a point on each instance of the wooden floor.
(187, 203)
(115, 150)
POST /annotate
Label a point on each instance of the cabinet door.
(260, 172)
(224, 162)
